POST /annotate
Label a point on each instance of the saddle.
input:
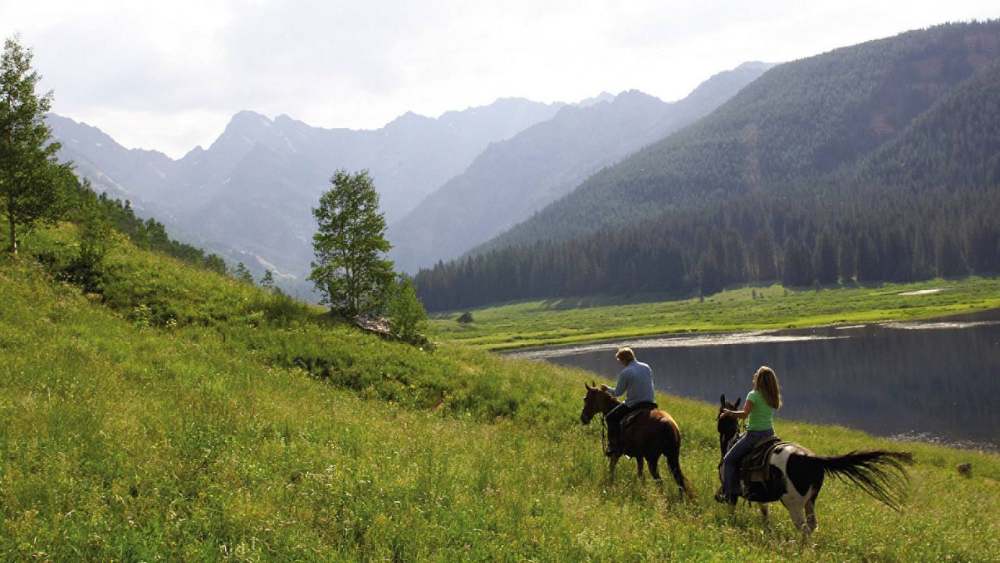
(636, 411)
(754, 467)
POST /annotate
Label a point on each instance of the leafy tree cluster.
(148, 234)
(30, 175)
(351, 271)
(865, 235)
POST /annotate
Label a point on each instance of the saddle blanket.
(636, 411)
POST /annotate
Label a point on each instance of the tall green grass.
(226, 434)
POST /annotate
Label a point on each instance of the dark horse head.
(596, 401)
(727, 424)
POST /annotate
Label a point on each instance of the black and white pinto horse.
(795, 474)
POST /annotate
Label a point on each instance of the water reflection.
(940, 382)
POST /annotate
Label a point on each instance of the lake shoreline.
(726, 336)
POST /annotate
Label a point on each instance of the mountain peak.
(247, 118)
(604, 96)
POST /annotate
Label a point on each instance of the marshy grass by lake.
(567, 321)
(246, 429)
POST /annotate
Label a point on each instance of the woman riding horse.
(795, 475)
(762, 401)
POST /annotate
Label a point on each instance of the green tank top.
(762, 415)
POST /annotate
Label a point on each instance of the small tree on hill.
(406, 313)
(30, 177)
(242, 274)
(267, 280)
(350, 270)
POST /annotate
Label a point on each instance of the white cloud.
(168, 75)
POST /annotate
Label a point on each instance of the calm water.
(936, 381)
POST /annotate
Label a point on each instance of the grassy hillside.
(186, 416)
(564, 321)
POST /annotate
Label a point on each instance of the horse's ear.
(722, 399)
(737, 404)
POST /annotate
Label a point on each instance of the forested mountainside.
(802, 120)
(512, 179)
(274, 171)
(920, 204)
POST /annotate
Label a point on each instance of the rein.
(604, 433)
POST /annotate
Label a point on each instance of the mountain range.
(514, 178)
(800, 121)
(875, 162)
(273, 170)
(445, 184)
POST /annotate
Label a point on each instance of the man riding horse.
(636, 382)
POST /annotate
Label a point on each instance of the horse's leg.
(612, 463)
(654, 462)
(763, 513)
(811, 514)
(796, 509)
(638, 465)
(674, 463)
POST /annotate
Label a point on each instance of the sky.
(169, 75)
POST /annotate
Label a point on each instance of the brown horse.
(651, 433)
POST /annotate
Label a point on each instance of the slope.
(250, 428)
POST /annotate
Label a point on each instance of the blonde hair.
(766, 381)
(625, 354)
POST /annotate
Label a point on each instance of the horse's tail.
(879, 473)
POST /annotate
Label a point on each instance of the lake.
(936, 380)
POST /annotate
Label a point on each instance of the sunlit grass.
(537, 323)
(233, 437)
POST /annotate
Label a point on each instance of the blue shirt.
(636, 380)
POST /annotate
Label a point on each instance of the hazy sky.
(168, 75)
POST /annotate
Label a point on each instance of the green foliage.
(97, 237)
(350, 270)
(879, 233)
(406, 314)
(31, 180)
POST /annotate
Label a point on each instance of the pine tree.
(242, 274)
(30, 178)
(350, 270)
(267, 280)
(825, 260)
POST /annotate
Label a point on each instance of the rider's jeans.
(731, 463)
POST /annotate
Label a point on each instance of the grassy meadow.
(567, 321)
(182, 415)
